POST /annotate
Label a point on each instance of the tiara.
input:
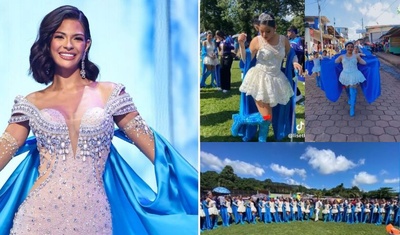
(265, 17)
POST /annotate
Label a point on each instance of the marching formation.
(250, 210)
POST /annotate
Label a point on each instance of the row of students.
(240, 211)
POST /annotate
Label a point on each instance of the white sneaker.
(224, 91)
(299, 97)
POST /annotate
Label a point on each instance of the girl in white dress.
(375, 211)
(265, 82)
(213, 212)
(335, 211)
(286, 216)
(367, 211)
(294, 204)
(280, 209)
(241, 208)
(381, 212)
(307, 209)
(263, 204)
(349, 213)
(357, 51)
(202, 216)
(228, 203)
(302, 211)
(273, 210)
(351, 76)
(341, 211)
(316, 68)
(357, 211)
(210, 60)
(253, 211)
(326, 210)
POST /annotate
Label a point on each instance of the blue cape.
(175, 205)
(330, 72)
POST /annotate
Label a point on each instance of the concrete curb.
(388, 60)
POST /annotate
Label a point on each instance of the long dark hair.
(41, 63)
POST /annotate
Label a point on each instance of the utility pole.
(362, 26)
(334, 33)
(320, 26)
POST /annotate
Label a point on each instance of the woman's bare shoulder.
(107, 88)
(36, 96)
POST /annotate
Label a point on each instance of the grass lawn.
(299, 228)
(216, 109)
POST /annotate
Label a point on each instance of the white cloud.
(383, 172)
(364, 178)
(326, 161)
(288, 172)
(241, 168)
(391, 181)
(358, 1)
(361, 161)
(294, 182)
(348, 6)
(381, 13)
(352, 30)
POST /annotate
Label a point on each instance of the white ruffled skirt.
(209, 61)
(352, 77)
(268, 87)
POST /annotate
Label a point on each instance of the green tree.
(383, 193)
(235, 16)
(208, 180)
(227, 177)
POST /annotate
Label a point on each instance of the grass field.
(216, 109)
(299, 228)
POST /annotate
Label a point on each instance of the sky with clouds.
(368, 166)
(349, 13)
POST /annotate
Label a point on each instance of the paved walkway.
(390, 58)
(328, 121)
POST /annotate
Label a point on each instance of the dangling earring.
(83, 72)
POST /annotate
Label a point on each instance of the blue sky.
(349, 13)
(317, 165)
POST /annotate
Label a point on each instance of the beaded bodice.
(53, 139)
(210, 48)
(70, 183)
(349, 63)
(269, 57)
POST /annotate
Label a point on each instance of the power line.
(376, 20)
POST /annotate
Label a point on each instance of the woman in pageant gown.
(73, 181)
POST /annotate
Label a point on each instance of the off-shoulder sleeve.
(119, 102)
(22, 110)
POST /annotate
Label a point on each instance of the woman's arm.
(360, 60)
(138, 131)
(13, 137)
(339, 59)
(253, 46)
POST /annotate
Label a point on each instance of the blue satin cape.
(281, 114)
(330, 72)
(135, 207)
